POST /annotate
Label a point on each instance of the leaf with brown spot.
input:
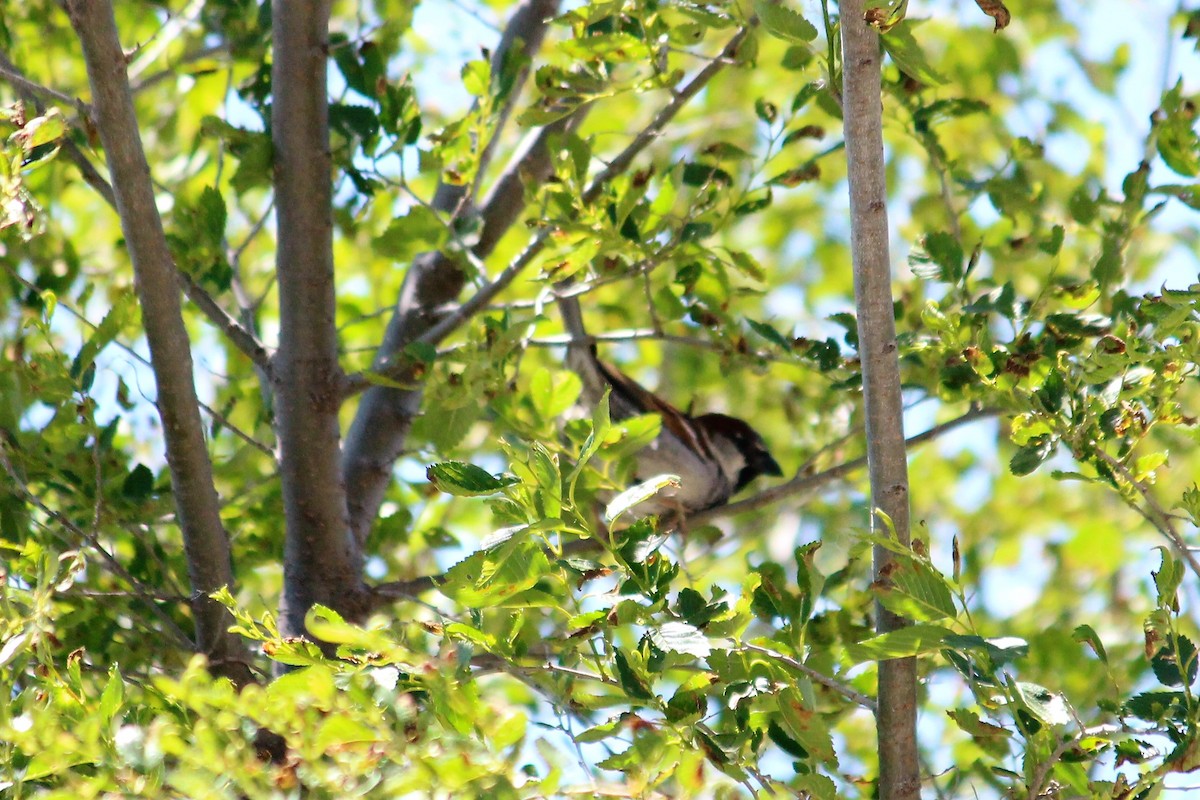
(997, 11)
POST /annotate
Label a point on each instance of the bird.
(714, 455)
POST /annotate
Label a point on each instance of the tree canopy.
(297, 494)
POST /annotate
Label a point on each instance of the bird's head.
(742, 452)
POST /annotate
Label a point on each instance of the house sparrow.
(714, 455)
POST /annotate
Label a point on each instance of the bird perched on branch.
(714, 455)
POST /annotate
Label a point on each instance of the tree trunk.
(899, 776)
(322, 561)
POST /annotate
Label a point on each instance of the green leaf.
(1177, 140)
(605, 730)
(328, 626)
(476, 75)
(806, 726)
(418, 231)
(13, 647)
(679, 637)
(494, 577)
(1167, 579)
(784, 23)
(1176, 664)
(634, 680)
(1031, 456)
(911, 641)
(1087, 635)
(638, 493)
(938, 250)
(113, 695)
(908, 55)
(42, 130)
(554, 393)
(1049, 707)
(139, 483)
(466, 480)
(769, 333)
(918, 592)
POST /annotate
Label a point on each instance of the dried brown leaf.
(997, 11)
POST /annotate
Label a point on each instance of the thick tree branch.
(322, 561)
(896, 720)
(384, 417)
(381, 423)
(205, 541)
(381, 426)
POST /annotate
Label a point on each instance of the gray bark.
(899, 775)
(384, 416)
(205, 541)
(322, 561)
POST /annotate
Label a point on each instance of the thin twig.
(1157, 515)
(24, 86)
(239, 335)
(802, 483)
(145, 594)
(830, 683)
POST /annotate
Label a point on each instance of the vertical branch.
(899, 775)
(205, 541)
(322, 562)
(381, 424)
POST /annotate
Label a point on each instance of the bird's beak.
(766, 465)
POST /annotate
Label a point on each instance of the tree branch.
(206, 543)
(381, 424)
(27, 88)
(801, 484)
(322, 562)
(896, 719)
(241, 337)
(238, 334)
(1154, 513)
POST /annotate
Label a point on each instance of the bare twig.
(829, 683)
(238, 334)
(27, 88)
